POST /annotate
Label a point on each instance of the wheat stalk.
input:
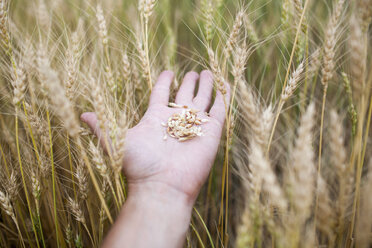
(327, 72)
(280, 105)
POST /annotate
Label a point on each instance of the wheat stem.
(23, 178)
(281, 103)
(320, 148)
(205, 226)
(360, 163)
(53, 179)
(197, 235)
(71, 165)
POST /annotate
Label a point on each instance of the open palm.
(184, 166)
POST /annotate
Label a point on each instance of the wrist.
(160, 212)
(161, 194)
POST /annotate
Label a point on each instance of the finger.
(90, 119)
(186, 92)
(160, 92)
(204, 96)
(218, 110)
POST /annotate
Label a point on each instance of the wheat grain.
(240, 59)
(293, 82)
(231, 41)
(357, 56)
(36, 190)
(19, 84)
(364, 8)
(326, 217)
(52, 86)
(69, 235)
(244, 232)
(81, 176)
(330, 40)
(76, 210)
(302, 167)
(251, 113)
(261, 168)
(217, 74)
(285, 13)
(207, 10)
(184, 126)
(120, 144)
(315, 61)
(102, 25)
(43, 17)
(6, 205)
(251, 30)
(99, 104)
(267, 123)
(148, 8)
(363, 225)
(12, 186)
(98, 160)
(9, 139)
(339, 161)
(351, 108)
(73, 52)
(299, 9)
(126, 68)
(4, 25)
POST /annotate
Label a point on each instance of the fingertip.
(185, 93)
(192, 75)
(160, 92)
(166, 74)
(90, 118)
(84, 117)
(206, 74)
(203, 98)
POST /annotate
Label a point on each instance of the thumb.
(90, 118)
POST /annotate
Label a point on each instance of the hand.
(165, 176)
(150, 161)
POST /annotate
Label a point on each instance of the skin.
(165, 176)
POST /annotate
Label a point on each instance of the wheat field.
(294, 167)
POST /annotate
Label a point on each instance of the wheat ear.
(302, 171)
(327, 73)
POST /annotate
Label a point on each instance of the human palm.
(184, 166)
